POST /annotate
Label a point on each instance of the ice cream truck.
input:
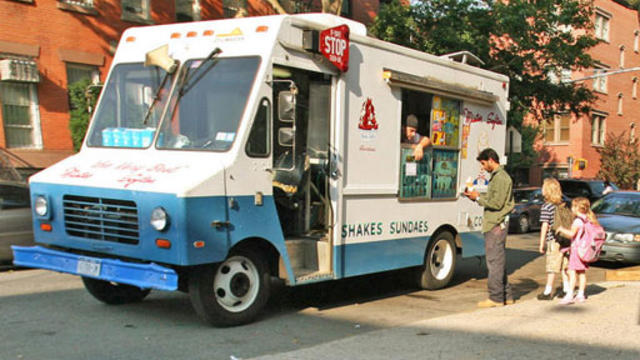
(223, 155)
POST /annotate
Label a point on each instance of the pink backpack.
(589, 242)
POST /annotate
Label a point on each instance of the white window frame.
(600, 83)
(634, 87)
(621, 56)
(636, 41)
(229, 6)
(143, 16)
(620, 103)
(556, 126)
(598, 128)
(196, 9)
(95, 71)
(82, 3)
(34, 112)
(564, 76)
(602, 24)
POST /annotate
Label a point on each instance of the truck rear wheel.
(439, 263)
(232, 292)
(114, 293)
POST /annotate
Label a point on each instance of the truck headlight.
(159, 219)
(41, 206)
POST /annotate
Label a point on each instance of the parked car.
(592, 189)
(619, 215)
(15, 218)
(526, 214)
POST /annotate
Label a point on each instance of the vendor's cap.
(412, 121)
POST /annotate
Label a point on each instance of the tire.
(524, 225)
(230, 293)
(114, 293)
(439, 262)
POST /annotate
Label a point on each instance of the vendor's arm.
(418, 152)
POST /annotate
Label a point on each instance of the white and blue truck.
(225, 153)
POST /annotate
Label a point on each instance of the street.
(46, 315)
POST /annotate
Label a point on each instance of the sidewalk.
(606, 326)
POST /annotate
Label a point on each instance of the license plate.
(89, 267)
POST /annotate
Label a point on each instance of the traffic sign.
(334, 45)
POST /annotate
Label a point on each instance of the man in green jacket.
(498, 203)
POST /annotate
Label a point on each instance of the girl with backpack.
(556, 261)
(581, 207)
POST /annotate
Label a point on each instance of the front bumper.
(145, 276)
(625, 253)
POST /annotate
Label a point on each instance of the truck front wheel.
(439, 262)
(232, 292)
(114, 293)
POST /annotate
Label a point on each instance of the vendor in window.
(411, 136)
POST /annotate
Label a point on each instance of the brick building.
(616, 109)
(45, 45)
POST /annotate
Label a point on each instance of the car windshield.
(618, 205)
(127, 115)
(205, 112)
(597, 187)
(522, 196)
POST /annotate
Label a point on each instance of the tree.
(529, 41)
(82, 100)
(620, 160)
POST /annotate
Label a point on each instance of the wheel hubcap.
(524, 223)
(441, 259)
(236, 284)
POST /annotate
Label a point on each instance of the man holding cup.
(498, 203)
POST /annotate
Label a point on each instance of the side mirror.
(286, 106)
(286, 136)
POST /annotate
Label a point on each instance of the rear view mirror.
(286, 136)
(160, 57)
(286, 106)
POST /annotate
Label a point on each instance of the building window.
(83, 3)
(77, 72)
(557, 130)
(597, 129)
(231, 8)
(600, 83)
(621, 56)
(620, 104)
(346, 9)
(187, 10)
(636, 40)
(20, 115)
(602, 25)
(136, 10)
(634, 88)
(559, 76)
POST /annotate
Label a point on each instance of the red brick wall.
(623, 23)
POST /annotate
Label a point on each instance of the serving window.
(435, 175)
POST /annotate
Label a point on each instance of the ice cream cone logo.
(368, 116)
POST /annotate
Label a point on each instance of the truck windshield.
(127, 98)
(204, 114)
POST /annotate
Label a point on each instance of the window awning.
(428, 84)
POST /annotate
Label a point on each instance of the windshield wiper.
(156, 98)
(189, 81)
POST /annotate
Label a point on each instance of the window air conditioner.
(19, 70)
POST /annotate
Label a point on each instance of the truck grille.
(101, 219)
